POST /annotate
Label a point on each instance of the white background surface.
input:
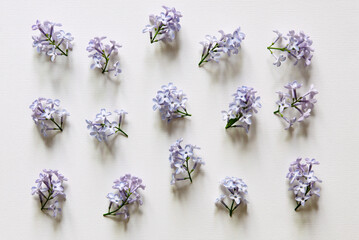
(261, 159)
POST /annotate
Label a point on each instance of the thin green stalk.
(154, 37)
(298, 205)
(233, 121)
(292, 105)
(47, 199)
(284, 49)
(278, 112)
(205, 56)
(295, 101)
(231, 210)
(60, 128)
(52, 42)
(107, 60)
(123, 204)
(120, 130)
(184, 113)
(187, 168)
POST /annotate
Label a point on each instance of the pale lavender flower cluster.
(126, 194)
(101, 55)
(184, 161)
(297, 46)
(170, 102)
(51, 41)
(244, 105)
(48, 115)
(49, 187)
(101, 127)
(235, 194)
(301, 106)
(227, 43)
(163, 27)
(303, 181)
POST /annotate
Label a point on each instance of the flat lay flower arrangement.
(50, 190)
(245, 104)
(127, 193)
(227, 44)
(102, 127)
(235, 191)
(51, 41)
(301, 104)
(184, 161)
(293, 106)
(163, 27)
(303, 181)
(102, 55)
(48, 115)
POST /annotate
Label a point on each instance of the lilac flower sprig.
(49, 187)
(228, 43)
(302, 105)
(101, 128)
(298, 46)
(170, 102)
(51, 41)
(184, 161)
(163, 27)
(235, 191)
(48, 111)
(244, 105)
(302, 180)
(101, 55)
(126, 194)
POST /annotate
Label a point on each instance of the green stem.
(298, 205)
(187, 168)
(225, 205)
(60, 128)
(47, 199)
(294, 102)
(284, 49)
(184, 113)
(233, 121)
(52, 42)
(205, 56)
(277, 112)
(107, 60)
(120, 130)
(292, 105)
(231, 210)
(154, 37)
(123, 204)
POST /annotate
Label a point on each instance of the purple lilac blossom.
(101, 55)
(302, 105)
(235, 194)
(49, 187)
(163, 27)
(51, 41)
(227, 43)
(243, 107)
(297, 46)
(48, 115)
(184, 161)
(101, 127)
(303, 181)
(126, 194)
(170, 102)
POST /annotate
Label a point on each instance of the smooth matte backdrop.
(261, 158)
